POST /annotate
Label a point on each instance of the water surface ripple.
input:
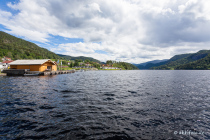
(106, 105)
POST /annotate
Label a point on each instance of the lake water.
(107, 105)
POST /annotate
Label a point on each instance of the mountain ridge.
(83, 58)
(180, 61)
(17, 48)
(183, 60)
(147, 65)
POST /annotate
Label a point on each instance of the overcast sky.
(133, 31)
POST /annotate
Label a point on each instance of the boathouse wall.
(40, 68)
(45, 66)
(31, 67)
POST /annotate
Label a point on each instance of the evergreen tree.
(9, 54)
(87, 61)
(71, 65)
(17, 57)
(76, 63)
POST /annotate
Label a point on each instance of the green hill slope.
(178, 61)
(201, 64)
(83, 58)
(165, 64)
(124, 65)
(17, 48)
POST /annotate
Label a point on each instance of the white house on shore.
(1, 65)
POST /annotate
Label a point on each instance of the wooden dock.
(25, 72)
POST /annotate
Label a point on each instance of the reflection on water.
(106, 105)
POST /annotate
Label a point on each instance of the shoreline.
(3, 74)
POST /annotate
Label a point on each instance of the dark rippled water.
(106, 105)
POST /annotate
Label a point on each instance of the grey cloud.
(171, 29)
(75, 13)
(140, 30)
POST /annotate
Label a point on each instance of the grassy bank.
(109, 69)
(2, 74)
(66, 68)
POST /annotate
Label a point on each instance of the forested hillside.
(83, 58)
(122, 65)
(17, 48)
(150, 64)
(126, 66)
(201, 64)
(187, 61)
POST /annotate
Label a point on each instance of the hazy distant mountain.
(153, 62)
(199, 60)
(149, 64)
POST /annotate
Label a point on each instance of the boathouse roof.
(30, 62)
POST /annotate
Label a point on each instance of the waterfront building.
(5, 58)
(34, 65)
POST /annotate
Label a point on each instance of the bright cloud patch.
(125, 30)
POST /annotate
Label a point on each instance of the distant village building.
(5, 64)
(34, 65)
(87, 64)
(81, 63)
(106, 66)
(6, 58)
